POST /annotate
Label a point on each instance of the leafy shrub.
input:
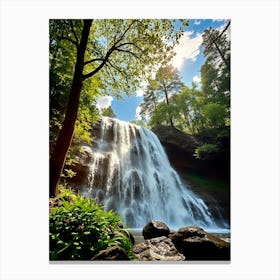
(206, 152)
(214, 115)
(79, 228)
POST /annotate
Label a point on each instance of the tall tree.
(168, 82)
(188, 103)
(63, 142)
(215, 73)
(150, 101)
(217, 46)
(122, 51)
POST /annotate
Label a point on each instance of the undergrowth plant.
(80, 228)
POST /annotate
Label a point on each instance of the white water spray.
(131, 174)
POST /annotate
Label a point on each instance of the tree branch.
(130, 43)
(93, 60)
(227, 26)
(110, 73)
(224, 30)
(106, 58)
(68, 39)
(115, 67)
(90, 74)
(125, 32)
(214, 39)
(73, 31)
(128, 51)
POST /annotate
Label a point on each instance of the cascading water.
(131, 174)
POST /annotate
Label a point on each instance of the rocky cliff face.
(179, 146)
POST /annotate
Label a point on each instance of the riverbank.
(137, 234)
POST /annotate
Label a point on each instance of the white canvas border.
(255, 138)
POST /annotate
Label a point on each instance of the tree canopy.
(203, 109)
(199, 107)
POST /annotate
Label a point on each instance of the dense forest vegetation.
(93, 58)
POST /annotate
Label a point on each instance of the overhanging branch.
(90, 74)
(128, 51)
(93, 60)
(122, 36)
(132, 44)
(68, 39)
(220, 35)
(115, 67)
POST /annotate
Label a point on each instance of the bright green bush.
(79, 228)
(206, 152)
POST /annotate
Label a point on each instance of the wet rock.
(83, 159)
(157, 249)
(114, 253)
(155, 229)
(179, 146)
(129, 235)
(196, 244)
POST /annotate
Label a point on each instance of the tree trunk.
(64, 140)
(222, 56)
(167, 102)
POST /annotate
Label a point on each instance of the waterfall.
(131, 174)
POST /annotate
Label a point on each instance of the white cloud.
(139, 92)
(197, 22)
(196, 79)
(104, 102)
(141, 89)
(218, 20)
(188, 48)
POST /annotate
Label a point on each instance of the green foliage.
(205, 182)
(140, 123)
(215, 73)
(150, 101)
(206, 152)
(108, 112)
(132, 48)
(79, 228)
(188, 116)
(214, 115)
(162, 115)
(167, 82)
(62, 58)
(192, 109)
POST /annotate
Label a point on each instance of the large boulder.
(157, 249)
(114, 253)
(129, 235)
(155, 229)
(196, 244)
(179, 146)
(84, 158)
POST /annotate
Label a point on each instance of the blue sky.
(188, 60)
